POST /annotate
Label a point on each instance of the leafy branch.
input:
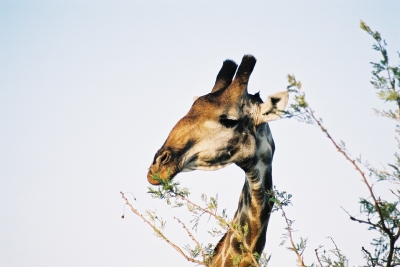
(331, 258)
(151, 223)
(173, 194)
(170, 189)
(281, 200)
(381, 215)
(385, 84)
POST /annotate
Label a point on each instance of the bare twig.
(333, 241)
(316, 254)
(394, 193)
(369, 256)
(360, 221)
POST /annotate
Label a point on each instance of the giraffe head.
(220, 127)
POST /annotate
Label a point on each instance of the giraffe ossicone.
(227, 126)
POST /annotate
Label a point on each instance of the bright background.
(90, 90)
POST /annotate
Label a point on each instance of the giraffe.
(227, 126)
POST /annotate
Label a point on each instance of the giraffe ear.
(273, 107)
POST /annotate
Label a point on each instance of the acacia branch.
(381, 224)
(192, 237)
(198, 207)
(293, 248)
(353, 162)
(159, 232)
(393, 237)
(219, 218)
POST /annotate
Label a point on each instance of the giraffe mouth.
(156, 175)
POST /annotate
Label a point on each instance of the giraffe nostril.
(165, 157)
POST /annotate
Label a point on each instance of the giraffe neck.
(254, 207)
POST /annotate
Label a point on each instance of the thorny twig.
(159, 232)
(293, 248)
(192, 237)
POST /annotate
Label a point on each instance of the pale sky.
(90, 90)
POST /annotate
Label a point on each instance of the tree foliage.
(379, 214)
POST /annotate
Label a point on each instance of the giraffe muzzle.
(162, 168)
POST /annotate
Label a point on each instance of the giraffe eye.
(228, 122)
